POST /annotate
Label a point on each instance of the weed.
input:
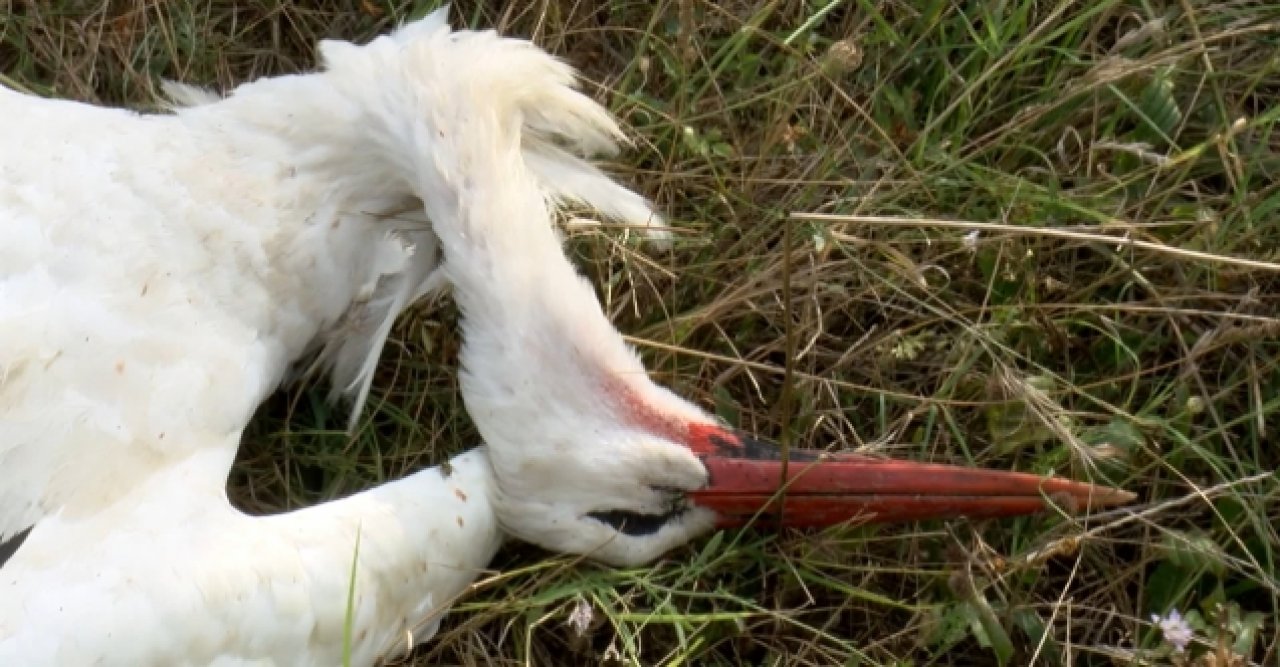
(1041, 236)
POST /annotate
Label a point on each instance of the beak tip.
(1078, 497)
(1114, 498)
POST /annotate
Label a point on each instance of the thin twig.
(1040, 231)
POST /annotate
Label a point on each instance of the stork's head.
(590, 456)
(609, 465)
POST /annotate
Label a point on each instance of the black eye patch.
(636, 524)
(10, 546)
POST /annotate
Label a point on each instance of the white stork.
(158, 275)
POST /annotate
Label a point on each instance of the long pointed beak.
(746, 484)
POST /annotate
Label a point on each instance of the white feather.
(158, 277)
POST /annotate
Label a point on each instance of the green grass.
(1033, 345)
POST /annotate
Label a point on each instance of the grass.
(1049, 240)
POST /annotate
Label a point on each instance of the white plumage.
(158, 276)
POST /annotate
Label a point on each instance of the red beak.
(746, 484)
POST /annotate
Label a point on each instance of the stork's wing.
(110, 364)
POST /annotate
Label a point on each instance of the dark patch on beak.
(738, 444)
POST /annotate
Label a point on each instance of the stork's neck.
(539, 350)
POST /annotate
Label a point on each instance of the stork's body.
(158, 276)
(149, 305)
(179, 261)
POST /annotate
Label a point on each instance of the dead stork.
(158, 275)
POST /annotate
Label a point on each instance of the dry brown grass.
(1091, 326)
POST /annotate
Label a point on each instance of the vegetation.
(1049, 239)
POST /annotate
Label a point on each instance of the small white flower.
(581, 616)
(971, 241)
(1175, 630)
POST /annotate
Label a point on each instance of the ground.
(1049, 240)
